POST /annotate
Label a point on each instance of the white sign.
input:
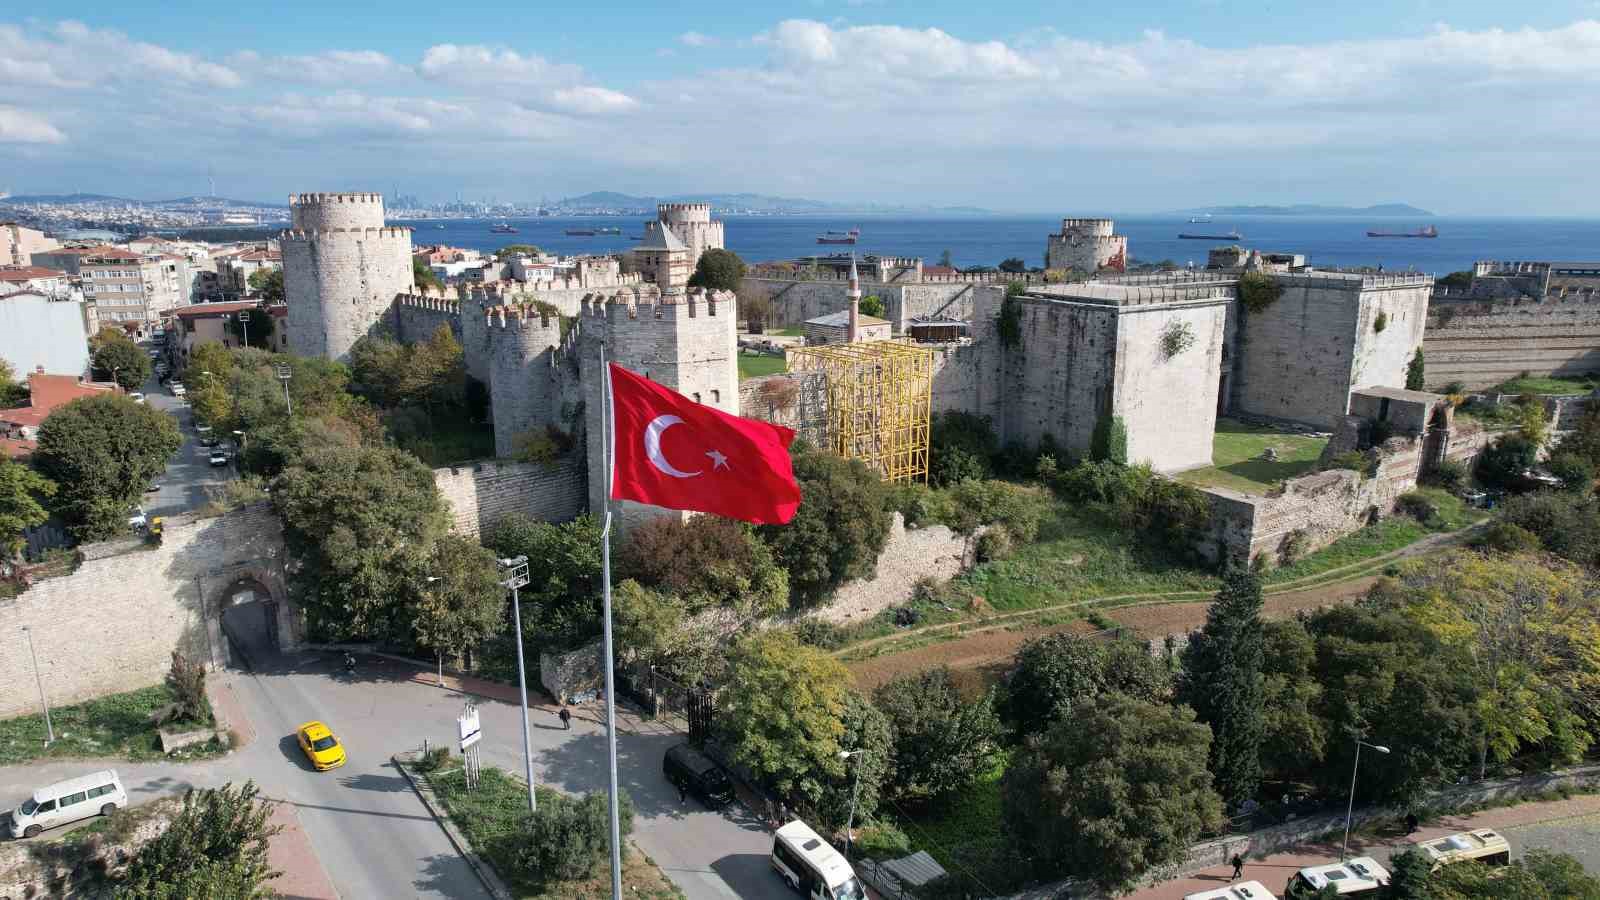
(467, 726)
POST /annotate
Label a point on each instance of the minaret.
(854, 294)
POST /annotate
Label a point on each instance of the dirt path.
(976, 657)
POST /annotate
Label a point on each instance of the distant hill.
(1311, 209)
(104, 198)
(755, 203)
(66, 198)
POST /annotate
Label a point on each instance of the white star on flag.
(718, 460)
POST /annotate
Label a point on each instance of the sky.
(1468, 107)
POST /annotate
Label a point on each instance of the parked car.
(695, 773)
(99, 794)
(218, 457)
(136, 517)
(136, 397)
(178, 390)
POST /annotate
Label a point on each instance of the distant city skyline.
(1468, 109)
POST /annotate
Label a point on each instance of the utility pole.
(49, 731)
(283, 373)
(516, 570)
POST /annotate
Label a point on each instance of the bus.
(1358, 877)
(1482, 845)
(811, 866)
(1244, 890)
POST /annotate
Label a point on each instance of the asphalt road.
(189, 476)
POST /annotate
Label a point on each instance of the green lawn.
(116, 725)
(1236, 462)
(756, 366)
(1391, 534)
(1546, 385)
(791, 331)
(490, 817)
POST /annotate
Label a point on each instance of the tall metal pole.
(519, 577)
(49, 731)
(850, 822)
(1350, 809)
(607, 436)
(284, 373)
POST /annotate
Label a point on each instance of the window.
(101, 791)
(697, 397)
(716, 396)
(70, 799)
(47, 806)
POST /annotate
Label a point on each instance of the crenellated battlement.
(319, 198)
(428, 302)
(518, 317)
(387, 231)
(684, 212)
(1089, 226)
(343, 267)
(646, 306)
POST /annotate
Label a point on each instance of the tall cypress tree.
(1222, 680)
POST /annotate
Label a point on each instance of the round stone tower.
(341, 270)
(524, 392)
(1087, 245)
(692, 223)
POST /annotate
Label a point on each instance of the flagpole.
(608, 428)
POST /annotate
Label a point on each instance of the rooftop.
(46, 392)
(19, 274)
(659, 237)
(203, 310)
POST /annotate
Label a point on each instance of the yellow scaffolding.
(880, 396)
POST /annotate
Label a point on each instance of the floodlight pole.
(283, 373)
(1351, 808)
(49, 731)
(517, 577)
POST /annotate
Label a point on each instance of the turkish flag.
(667, 450)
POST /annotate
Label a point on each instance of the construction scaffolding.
(880, 396)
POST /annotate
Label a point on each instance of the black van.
(694, 772)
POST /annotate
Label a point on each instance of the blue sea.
(1328, 242)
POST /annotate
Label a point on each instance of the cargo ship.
(581, 232)
(500, 228)
(839, 237)
(1426, 231)
(1230, 236)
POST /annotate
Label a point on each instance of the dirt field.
(978, 660)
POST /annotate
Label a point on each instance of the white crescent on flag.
(652, 446)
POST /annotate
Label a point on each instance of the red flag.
(668, 450)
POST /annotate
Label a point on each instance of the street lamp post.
(1350, 810)
(49, 731)
(850, 822)
(516, 570)
(283, 373)
(244, 323)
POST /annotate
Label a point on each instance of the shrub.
(1416, 371)
(1293, 547)
(1505, 537)
(1417, 506)
(1046, 469)
(1449, 474)
(1502, 464)
(187, 680)
(1109, 442)
(961, 446)
(1353, 460)
(882, 841)
(1177, 337)
(215, 847)
(707, 561)
(975, 503)
(918, 504)
(568, 837)
(1009, 325)
(543, 446)
(433, 760)
(1380, 322)
(1095, 481)
(1375, 431)
(838, 532)
(1576, 472)
(1455, 387)
(995, 544)
(820, 633)
(1568, 525)
(1257, 291)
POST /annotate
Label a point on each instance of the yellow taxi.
(320, 746)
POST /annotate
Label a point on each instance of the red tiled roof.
(114, 253)
(28, 273)
(46, 392)
(198, 310)
(263, 256)
(938, 270)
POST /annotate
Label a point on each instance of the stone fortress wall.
(693, 225)
(342, 270)
(798, 296)
(524, 385)
(1537, 317)
(1087, 245)
(482, 493)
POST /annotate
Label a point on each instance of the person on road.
(566, 717)
(1238, 866)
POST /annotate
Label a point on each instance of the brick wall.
(483, 493)
(1482, 343)
(112, 625)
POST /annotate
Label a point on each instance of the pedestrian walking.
(1238, 866)
(1411, 823)
(683, 795)
(566, 717)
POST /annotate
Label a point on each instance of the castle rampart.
(342, 269)
(1086, 245)
(524, 388)
(693, 225)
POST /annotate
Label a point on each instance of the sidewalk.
(629, 720)
(1274, 871)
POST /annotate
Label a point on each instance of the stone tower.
(663, 258)
(341, 270)
(524, 387)
(1088, 245)
(692, 223)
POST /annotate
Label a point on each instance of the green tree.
(867, 730)
(718, 270)
(1118, 790)
(362, 524)
(1565, 524)
(268, 284)
(1109, 442)
(1014, 265)
(1415, 372)
(1577, 474)
(568, 838)
(781, 713)
(649, 624)
(839, 529)
(942, 743)
(258, 328)
(123, 362)
(460, 602)
(1503, 463)
(1222, 681)
(1408, 876)
(1584, 440)
(961, 446)
(422, 276)
(755, 307)
(561, 604)
(872, 305)
(708, 561)
(12, 392)
(107, 334)
(101, 451)
(511, 250)
(21, 492)
(1561, 874)
(1294, 734)
(1055, 675)
(216, 847)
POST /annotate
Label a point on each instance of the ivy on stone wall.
(1257, 291)
(1010, 325)
(1380, 323)
(1176, 337)
(1414, 372)
(1110, 440)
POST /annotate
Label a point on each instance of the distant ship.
(581, 232)
(502, 228)
(839, 237)
(611, 230)
(1233, 235)
(1426, 231)
(1200, 220)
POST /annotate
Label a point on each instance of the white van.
(1358, 877)
(1244, 890)
(99, 794)
(811, 866)
(1482, 845)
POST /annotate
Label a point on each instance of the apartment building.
(18, 244)
(133, 290)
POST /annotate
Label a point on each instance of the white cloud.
(590, 100)
(330, 67)
(478, 66)
(696, 39)
(18, 126)
(111, 54)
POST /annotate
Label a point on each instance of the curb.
(486, 874)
